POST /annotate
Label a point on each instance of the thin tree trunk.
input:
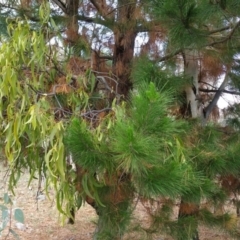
(191, 70)
(213, 103)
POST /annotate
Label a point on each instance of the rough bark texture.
(124, 35)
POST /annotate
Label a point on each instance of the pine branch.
(227, 37)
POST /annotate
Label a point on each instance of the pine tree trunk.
(72, 24)
(124, 36)
(119, 199)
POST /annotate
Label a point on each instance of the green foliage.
(32, 137)
(134, 149)
(142, 143)
(145, 71)
(182, 19)
(83, 146)
(114, 220)
(6, 213)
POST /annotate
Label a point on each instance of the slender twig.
(61, 5)
(170, 55)
(220, 29)
(208, 84)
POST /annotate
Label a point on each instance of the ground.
(42, 221)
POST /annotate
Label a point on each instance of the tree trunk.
(122, 58)
(124, 36)
(72, 24)
(191, 70)
(120, 197)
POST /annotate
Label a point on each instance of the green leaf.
(7, 199)
(93, 82)
(3, 207)
(18, 215)
(61, 160)
(48, 158)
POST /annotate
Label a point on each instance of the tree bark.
(191, 70)
(124, 36)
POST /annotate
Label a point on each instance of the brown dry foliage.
(25, 3)
(99, 64)
(188, 209)
(72, 35)
(60, 86)
(78, 66)
(230, 183)
(212, 65)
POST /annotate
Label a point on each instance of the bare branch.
(217, 90)
(61, 5)
(220, 29)
(208, 84)
(106, 57)
(170, 55)
(94, 20)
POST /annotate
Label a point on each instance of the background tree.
(135, 125)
